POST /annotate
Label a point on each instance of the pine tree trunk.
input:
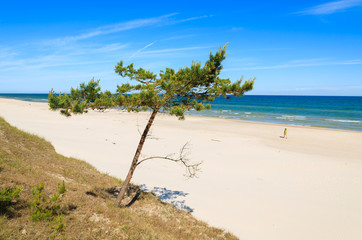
(135, 158)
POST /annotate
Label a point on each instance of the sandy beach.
(253, 183)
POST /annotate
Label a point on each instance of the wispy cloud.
(167, 50)
(330, 7)
(236, 29)
(192, 18)
(6, 52)
(110, 48)
(300, 63)
(87, 49)
(124, 26)
(266, 49)
(140, 50)
(70, 55)
(47, 61)
(165, 53)
(179, 37)
(329, 88)
(119, 27)
(304, 89)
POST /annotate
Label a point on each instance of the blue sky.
(291, 47)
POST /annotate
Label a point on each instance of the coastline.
(332, 112)
(253, 183)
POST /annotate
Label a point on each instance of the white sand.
(253, 183)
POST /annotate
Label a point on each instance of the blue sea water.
(30, 97)
(317, 111)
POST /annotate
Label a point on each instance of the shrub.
(8, 195)
(61, 187)
(43, 206)
(59, 226)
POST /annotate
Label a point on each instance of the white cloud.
(87, 49)
(167, 50)
(192, 18)
(47, 61)
(179, 37)
(236, 29)
(331, 7)
(308, 89)
(123, 26)
(67, 50)
(113, 28)
(140, 50)
(6, 52)
(110, 48)
(329, 88)
(299, 63)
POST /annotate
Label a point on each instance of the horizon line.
(276, 95)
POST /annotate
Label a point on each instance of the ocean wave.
(343, 120)
(291, 117)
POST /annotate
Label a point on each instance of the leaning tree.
(171, 91)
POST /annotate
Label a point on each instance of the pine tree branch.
(191, 168)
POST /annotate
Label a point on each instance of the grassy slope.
(26, 160)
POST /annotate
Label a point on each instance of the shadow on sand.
(169, 196)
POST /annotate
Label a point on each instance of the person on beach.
(285, 133)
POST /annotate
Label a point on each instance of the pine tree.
(171, 91)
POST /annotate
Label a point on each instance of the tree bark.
(136, 156)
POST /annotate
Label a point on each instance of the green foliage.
(61, 187)
(59, 225)
(44, 207)
(41, 210)
(172, 91)
(8, 195)
(79, 99)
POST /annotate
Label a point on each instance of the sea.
(334, 112)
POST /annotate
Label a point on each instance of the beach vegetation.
(30, 163)
(8, 197)
(45, 207)
(170, 91)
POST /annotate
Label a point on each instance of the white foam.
(342, 120)
(292, 117)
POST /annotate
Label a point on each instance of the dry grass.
(26, 160)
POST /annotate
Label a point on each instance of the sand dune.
(253, 182)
